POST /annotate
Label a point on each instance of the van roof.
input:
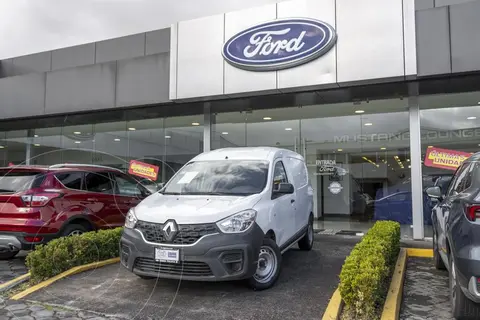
(247, 153)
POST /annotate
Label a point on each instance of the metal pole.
(416, 169)
(207, 128)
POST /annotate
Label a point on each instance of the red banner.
(445, 159)
(143, 170)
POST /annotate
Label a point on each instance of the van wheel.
(462, 307)
(7, 255)
(73, 230)
(306, 243)
(268, 266)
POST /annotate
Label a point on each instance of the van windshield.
(222, 177)
(15, 181)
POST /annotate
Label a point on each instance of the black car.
(456, 237)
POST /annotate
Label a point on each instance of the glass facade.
(358, 154)
(166, 142)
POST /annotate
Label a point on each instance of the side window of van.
(279, 174)
(299, 172)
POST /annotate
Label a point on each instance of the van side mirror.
(284, 188)
(434, 192)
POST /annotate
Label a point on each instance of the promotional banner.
(445, 159)
(143, 170)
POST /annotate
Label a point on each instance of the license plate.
(167, 255)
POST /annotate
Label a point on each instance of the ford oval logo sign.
(279, 44)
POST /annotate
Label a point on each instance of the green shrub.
(64, 253)
(364, 275)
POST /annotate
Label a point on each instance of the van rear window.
(15, 181)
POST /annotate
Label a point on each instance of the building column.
(416, 169)
(207, 127)
(28, 147)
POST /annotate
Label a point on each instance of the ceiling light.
(267, 118)
(2, 147)
(132, 129)
(408, 160)
(471, 118)
(116, 139)
(195, 124)
(77, 142)
(225, 132)
(409, 167)
(369, 124)
(339, 149)
(430, 146)
(77, 132)
(35, 136)
(288, 129)
(359, 111)
(36, 145)
(383, 148)
(167, 137)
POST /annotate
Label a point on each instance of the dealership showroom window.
(358, 154)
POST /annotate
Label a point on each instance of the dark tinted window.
(279, 174)
(98, 182)
(127, 186)
(14, 181)
(71, 180)
(460, 179)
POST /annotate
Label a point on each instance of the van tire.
(270, 257)
(462, 307)
(73, 229)
(7, 255)
(306, 242)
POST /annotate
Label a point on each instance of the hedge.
(64, 253)
(364, 275)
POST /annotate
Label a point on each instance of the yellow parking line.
(334, 308)
(420, 253)
(393, 302)
(62, 275)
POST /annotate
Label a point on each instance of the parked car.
(40, 203)
(456, 237)
(228, 214)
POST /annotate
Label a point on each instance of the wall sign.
(335, 187)
(143, 170)
(444, 158)
(279, 44)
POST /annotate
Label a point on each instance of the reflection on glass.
(357, 155)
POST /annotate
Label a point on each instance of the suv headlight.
(239, 222)
(131, 219)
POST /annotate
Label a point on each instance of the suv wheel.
(437, 259)
(268, 266)
(306, 243)
(462, 307)
(73, 230)
(6, 255)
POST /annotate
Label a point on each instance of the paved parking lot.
(10, 269)
(306, 284)
(426, 294)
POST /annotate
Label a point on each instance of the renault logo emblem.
(170, 230)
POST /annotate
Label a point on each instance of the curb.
(393, 302)
(62, 275)
(14, 282)
(334, 308)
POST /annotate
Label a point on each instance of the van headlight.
(131, 219)
(239, 222)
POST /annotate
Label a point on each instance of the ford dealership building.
(381, 98)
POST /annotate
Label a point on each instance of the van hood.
(192, 209)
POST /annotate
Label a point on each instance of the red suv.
(38, 204)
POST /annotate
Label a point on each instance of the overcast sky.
(29, 26)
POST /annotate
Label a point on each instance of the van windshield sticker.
(187, 177)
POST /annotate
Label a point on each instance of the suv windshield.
(15, 181)
(222, 177)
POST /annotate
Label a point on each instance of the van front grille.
(188, 233)
(185, 268)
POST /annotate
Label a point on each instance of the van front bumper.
(217, 257)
